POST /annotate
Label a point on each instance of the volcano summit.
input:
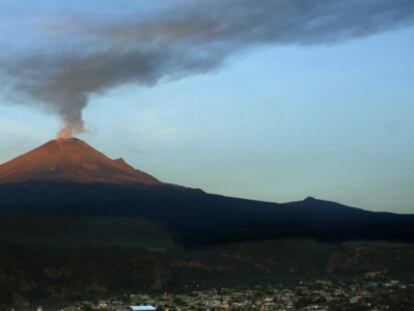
(71, 160)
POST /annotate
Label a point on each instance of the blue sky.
(274, 123)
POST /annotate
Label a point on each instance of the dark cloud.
(187, 38)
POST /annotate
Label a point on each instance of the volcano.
(69, 178)
(71, 160)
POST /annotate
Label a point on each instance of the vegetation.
(33, 274)
(29, 275)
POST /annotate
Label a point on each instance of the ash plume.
(190, 37)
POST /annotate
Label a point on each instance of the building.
(143, 308)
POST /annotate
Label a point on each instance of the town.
(372, 291)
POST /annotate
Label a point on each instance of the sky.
(271, 114)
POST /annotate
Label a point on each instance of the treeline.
(31, 275)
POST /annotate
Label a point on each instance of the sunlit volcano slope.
(71, 160)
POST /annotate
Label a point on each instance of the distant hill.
(70, 178)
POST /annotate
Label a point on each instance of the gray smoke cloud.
(187, 38)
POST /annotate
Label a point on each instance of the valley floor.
(252, 275)
(372, 291)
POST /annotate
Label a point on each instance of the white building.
(143, 308)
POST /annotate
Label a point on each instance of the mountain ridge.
(59, 179)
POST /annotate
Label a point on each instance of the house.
(143, 308)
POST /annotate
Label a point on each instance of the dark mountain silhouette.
(69, 178)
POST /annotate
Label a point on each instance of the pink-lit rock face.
(71, 160)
